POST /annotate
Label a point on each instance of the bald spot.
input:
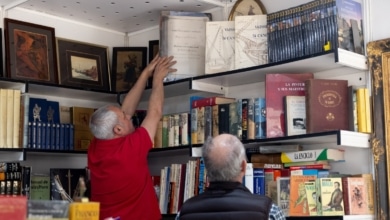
(220, 152)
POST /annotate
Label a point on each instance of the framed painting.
(378, 53)
(153, 49)
(127, 65)
(30, 51)
(83, 65)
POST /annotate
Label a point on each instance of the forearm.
(156, 100)
(133, 97)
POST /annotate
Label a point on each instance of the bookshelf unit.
(336, 63)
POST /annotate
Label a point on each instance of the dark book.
(223, 119)
(9, 167)
(277, 86)
(208, 120)
(36, 110)
(67, 184)
(326, 105)
(244, 119)
(26, 181)
(52, 111)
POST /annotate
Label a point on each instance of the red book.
(326, 105)
(311, 166)
(277, 86)
(215, 100)
(13, 207)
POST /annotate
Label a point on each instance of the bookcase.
(335, 64)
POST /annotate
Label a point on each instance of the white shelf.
(358, 217)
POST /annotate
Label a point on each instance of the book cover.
(283, 191)
(3, 118)
(258, 180)
(233, 119)
(352, 109)
(260, 118)
(244, 119)
(40, 187)
(239, 118)
(80, 117)
(326, 105)
(349, 23)
(223, 118)
(10, 119)
(52, 111)
(183, 35)
(194, 126)
(251, 119)
(26, 181)
(295, 115)
(215, 100)
(47, 209)
(165, 131)
(311, 195)
(249, 177)
(215, 118)
(208, 122)
(331, 192)
(17, 125)
(201, 124)
(84, 210)
(36, 110)
(363, 110)
(298, 199)
(13, 207)
(304, 163)
(355, 196)
(277, 86)
(184, 128)
(369, 184)
(313, 155)
(67, 184)
(251, 48)
(219, 46)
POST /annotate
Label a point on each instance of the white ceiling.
(119, 15)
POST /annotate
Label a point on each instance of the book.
(10, 119)
(67, 184)
(312, 166)
(219, 46)
(313, 155)
(251, 47)
(223, 118)
(363, 110)
(265, 158)
(251, 119)
(3, 118)
(273, 149)
(303, 163)
(26, 181)
(40, 187)
(283, 193)
(84, 210)
(260, 118)
(278, 85)
(259, 182)
(183, 35)
(13, 207)
(47, 209)
(249, 177)
(267, 165)
(210, 101)
(17, 135)
(295, 115)
(52, 111)
(355, 196)
(36, 110)
(298, 198)
(331, 193)
(311, 195)
(326, 105)
(369, 183)
(352, 109)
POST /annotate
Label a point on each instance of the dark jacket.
(226, 200)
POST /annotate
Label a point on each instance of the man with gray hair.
(117, 156)
(226, 197)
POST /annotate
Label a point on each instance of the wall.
(379, 17)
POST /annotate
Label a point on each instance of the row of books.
(20, 208)
(50, 136)
(10, 111)
(14, 179)
(173, 131)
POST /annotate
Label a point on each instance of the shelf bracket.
(351, 59)
(205, 87)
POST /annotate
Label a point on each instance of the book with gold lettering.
(326, 105)
(84, 211)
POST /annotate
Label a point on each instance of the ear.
(118, 130)
(243, 166)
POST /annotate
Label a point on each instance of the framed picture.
(83, 65)
(153, 49)
(30, 51)
(247, 7)
(127, 65)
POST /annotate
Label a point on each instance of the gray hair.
(223, 158)
(102, 123)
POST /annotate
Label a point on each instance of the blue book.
(57, 129)
(260, 127)
(71, 137)
(36, 110)
(258, 181)
(43, 135)
(62, 137)
(52, 111)
(66, 137)
(53, 136)
(48, 136)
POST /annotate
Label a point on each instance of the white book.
(251, 48)
(16, 119)
(249, 177)
(295, 115)
(219, 46)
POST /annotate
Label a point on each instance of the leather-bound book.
(326, 105)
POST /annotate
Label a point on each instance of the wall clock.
(247, 7)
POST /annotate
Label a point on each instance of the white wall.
(380, 16)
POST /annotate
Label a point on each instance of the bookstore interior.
(300, 83)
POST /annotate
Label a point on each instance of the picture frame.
(154, 47)
(30, 51)
(378, 54)
(127, 65)
(247, 7)
(83, 65)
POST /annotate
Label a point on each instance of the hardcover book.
(295, 115)
(36, 110)
(215, 100)
(276, 87)
(326, 105)
(251, 48)
(355, 195)
(47, 209)
(40, 187)
(84, 210)
(313, 155)
(219, 46)
(183, 35)
(260, 118)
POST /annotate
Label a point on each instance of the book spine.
(223, 118)
(201, 125)
(258, 181)
(165, 127)
(251, 119)
(233, 119)
(259, 108)
(215, 126)
(239, 118)
(194, 126)
(208, 118)
(245, 119)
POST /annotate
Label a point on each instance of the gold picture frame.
(378, 53)
(247, 7)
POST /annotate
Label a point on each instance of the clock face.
(246, 7)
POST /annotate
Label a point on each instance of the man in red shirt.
(117, 156)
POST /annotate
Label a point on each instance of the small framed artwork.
(30, 51)
(83, 65)
(153, 49)
(127, 65)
